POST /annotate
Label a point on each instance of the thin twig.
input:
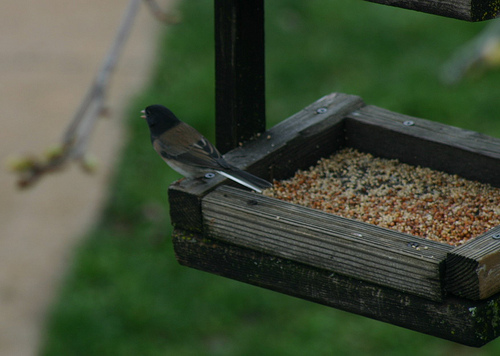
(80, 128)
(77, 135)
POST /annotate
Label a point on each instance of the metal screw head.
(413, 244)
(408, 123)
(321, 110)
(209, 175)
(496, 237)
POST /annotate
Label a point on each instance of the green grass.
(126, 295)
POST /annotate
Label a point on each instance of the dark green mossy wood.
(472, 323)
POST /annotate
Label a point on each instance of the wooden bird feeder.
(449, 292)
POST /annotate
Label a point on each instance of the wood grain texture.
(426, 143)
(339, 245)
(469, 10)
(459, 320)
(473, 269)
(299, 141)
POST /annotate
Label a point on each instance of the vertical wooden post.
(239, 68)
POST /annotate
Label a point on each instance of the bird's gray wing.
(199, 152)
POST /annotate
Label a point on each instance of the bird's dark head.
(159, 119)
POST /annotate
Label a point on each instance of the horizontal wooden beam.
(469, 10)
(332, 243)
(459, 320)
(426, 143)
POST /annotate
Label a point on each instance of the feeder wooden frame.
(452, 293)
(428, 286)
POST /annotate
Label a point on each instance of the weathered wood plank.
(469, 10)
(463, 321)
(348, 247)
(473, 269)
(297, 142)
(426, 143)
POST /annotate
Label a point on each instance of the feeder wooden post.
(239, 71)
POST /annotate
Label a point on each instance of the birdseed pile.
(414, 200)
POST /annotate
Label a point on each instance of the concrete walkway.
(49, 53)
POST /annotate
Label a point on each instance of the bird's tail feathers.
(246, 179)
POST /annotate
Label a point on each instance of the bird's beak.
(143, 114)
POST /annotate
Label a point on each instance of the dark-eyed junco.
(188, 152)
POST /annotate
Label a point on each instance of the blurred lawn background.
(125, 293)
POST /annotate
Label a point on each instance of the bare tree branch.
(77, 135)
(78, 132)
